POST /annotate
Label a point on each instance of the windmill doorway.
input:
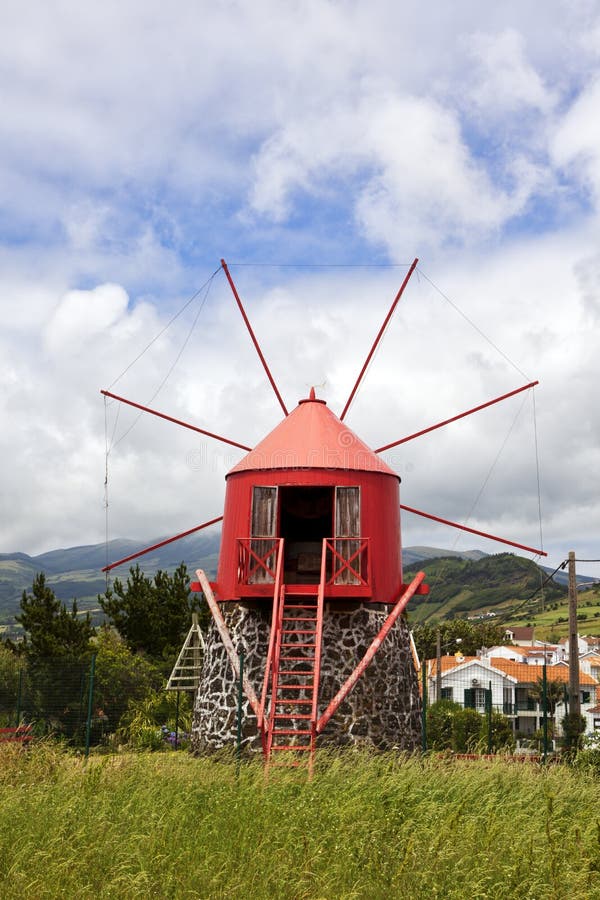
(306, 517)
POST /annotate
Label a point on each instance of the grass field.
(172, 826)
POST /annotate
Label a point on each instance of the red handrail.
(343, 692)
(318, 638)
(274, 620)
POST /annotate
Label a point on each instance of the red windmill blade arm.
(378, 338)
(491, 537)
(160, 415)
(170, 540)
(461, 415)
(253, 336)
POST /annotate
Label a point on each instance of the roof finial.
(312, 395)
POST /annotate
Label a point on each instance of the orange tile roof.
(448, 663)
(530, 674)
(521, 672)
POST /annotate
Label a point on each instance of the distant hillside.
(77, 571)
(462, 581)
(468, 587)
(416, 554)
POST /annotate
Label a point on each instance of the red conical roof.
(312, 437)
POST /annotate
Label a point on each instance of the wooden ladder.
(291, 733)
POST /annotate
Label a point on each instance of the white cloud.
(576, 144)
(504, 79)
(137, 145)
(82, 315)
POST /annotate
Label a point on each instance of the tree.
(51, 630)
(57, 649)
(573, 725)
(472, 635)
(152, 615)
(121, 677)
(555, 694)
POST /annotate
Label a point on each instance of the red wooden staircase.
(289, 729)
(295, 685)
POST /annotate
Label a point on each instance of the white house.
(513, 685)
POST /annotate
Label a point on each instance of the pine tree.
(152, 615)
(51, 630)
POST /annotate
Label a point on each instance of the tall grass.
(168, 825)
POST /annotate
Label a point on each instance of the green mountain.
(460, 588)
(462, 583)
(77, 571)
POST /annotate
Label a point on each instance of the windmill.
(309, 585)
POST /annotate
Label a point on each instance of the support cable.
(478, 497)
(472, 324)
(168, 325)
(207, 286)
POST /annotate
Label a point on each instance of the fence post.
(88, 724)
(177, 721)
(240, 711)
(545, 711)
(19, 697)
(489, 717)
(424, 708)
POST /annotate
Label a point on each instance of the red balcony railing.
(347, 564)
(348, 561)
(257, 560)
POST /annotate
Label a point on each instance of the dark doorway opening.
(305, 519)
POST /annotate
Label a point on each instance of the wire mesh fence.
(470, 705)
(52, 695)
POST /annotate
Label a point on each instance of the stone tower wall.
(382, 711)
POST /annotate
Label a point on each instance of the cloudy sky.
(319, 147)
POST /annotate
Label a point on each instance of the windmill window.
(263, 532)
(347, 531)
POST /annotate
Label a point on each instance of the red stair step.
(296, 644)
(305, 659)
(298, 631)
(296, 672)
(292, 716)
(290, 747)
(292, 702)
(289, 731)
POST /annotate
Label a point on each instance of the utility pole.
(438, 667)
(574, 700)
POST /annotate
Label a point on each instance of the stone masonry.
(383, 710)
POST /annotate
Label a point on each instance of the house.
(522, 636)
(590, 663)
(509, 685)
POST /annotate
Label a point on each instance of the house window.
(446, 693)
(480, 695)
(585, 696)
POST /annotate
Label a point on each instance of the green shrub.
(466, 731)
(440, 718)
